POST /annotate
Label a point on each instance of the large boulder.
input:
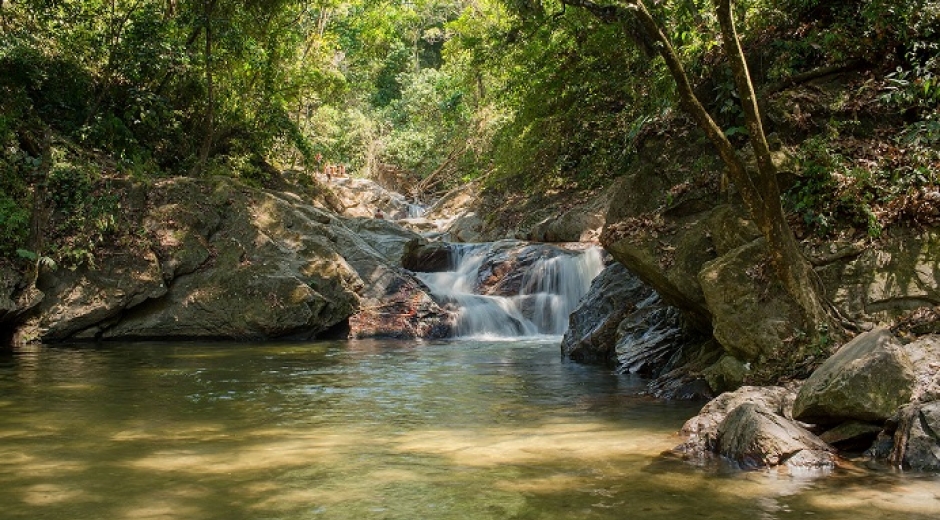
(384, 236)
(593, 327)
(269, 268)
(230, 262)
(392, 302)
(701, 431)
(752, 426)
(867, 379)
(755, 436)
(751, 315)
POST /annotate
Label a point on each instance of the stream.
(463, 429)
(491, 425)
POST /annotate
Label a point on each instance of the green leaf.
(28, 255)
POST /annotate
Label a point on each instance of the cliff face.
(216, 259)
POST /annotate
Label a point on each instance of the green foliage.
(85, 213)
(14, 223)
(846, 189)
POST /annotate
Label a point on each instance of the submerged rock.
(752, 426)
(755, 436)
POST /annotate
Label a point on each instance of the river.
(463, 429)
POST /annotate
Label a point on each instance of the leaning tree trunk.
(788, 262)
(758, 189)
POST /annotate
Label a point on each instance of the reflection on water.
(383, 430)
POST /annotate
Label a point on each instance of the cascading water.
(549, 291)
(416, 210)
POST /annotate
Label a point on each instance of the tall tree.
(758, 187)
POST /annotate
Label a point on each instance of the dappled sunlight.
(271, 497)
(49, 494)
(166, 504)
(587, 442)
(912, 497)
(390, 430)
(147, 432)
(266, 456)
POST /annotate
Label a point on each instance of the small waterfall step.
(512, 289)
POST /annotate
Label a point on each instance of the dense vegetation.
(517, 93)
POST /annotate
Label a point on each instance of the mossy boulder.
(867, 379)
(752, 316)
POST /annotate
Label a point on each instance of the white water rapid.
(549, 291)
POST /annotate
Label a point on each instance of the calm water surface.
(375, 430)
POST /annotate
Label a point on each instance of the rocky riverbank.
(216, 259)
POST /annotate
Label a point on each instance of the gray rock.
(364, 197)
(593, 327)
(867, 379)
(726, 375)
(392, 302)
(79, 303)
(579, 224)
(701, 431)
(852, 433)
(649, 337)
(18, 295)
(754, 436)
(422, 256)
(924, 354)
(917, 439)
(385, 236)
(233, 262)
(466, 227)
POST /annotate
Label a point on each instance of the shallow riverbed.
(376, 430)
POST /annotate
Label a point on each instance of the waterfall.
(416, 210)
(549, 291)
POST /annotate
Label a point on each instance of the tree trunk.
(789, 264)
(759, 190)
(210, 95)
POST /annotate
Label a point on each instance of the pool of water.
(376, 430)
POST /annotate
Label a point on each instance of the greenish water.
(375, 430)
